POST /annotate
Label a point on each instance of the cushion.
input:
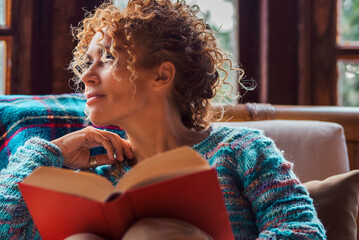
(336, 200)
(45, 116)
(317, 149)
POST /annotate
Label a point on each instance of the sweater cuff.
(43, 152)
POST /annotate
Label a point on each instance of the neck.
(159, 131)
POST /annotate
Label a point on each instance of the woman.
(152, 69)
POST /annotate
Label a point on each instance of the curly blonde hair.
(165, 31)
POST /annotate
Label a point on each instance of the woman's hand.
(75, 147)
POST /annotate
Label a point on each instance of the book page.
(88, 185)
(167, 165)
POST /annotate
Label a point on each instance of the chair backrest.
(317, 149)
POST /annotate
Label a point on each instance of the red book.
(176, 184)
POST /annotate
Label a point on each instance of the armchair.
(317, 148)
(329, 165)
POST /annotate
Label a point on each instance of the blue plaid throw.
(45, 116)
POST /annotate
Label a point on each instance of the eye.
(109, 56)
(88, 63)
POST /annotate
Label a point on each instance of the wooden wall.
(289, 48)
(42, 46)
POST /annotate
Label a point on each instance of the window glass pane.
(348, 83)
(2, 13)
(2, 67)
(221, 15)
(120, 3)
(348, 22)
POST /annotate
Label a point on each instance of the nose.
(90, 76)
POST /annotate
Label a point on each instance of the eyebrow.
(99, 52)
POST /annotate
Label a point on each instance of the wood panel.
(295, 62)
(249, 46)
(22, 25)
(64, 15)
(304, 54)
(41, 57)
(282, 59)
(323, 53)
(269, 49)
(42, 46)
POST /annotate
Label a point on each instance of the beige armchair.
(319, 152)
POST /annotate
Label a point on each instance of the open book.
(176, 184)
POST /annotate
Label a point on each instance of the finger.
(102, 159)
(117, 144)
(128, 150)
(120, 146)
(98, 138)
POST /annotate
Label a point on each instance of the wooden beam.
(8, 6)
(65, 14)
(41, 55)
(282, 58)
(347, 53)
(323, 88)
(249, 45)
(5, 31)
(304, 53)
(22, 24)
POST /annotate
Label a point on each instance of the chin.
(97, 120)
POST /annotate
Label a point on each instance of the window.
(5, 46)
(221, 15)
(348, 58)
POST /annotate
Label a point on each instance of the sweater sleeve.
(15, 219)
(282, 206)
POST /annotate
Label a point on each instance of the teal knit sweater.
(264, 199)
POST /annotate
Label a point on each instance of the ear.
(165, 74)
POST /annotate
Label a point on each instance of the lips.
(94, 97)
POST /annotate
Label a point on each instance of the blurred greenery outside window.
(348, 83)
(2, 13)
(221, 16)
(348, 35)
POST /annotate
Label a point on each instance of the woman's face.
(110, 100)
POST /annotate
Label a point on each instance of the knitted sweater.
(263, 197)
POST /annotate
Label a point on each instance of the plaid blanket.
(45, 116)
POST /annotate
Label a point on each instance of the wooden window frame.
(42, 45)
(290, 48)
(6, 36)
(345, 52)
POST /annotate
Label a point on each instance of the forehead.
(100, 40)
(96, 40)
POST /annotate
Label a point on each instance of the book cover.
(63, 202)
